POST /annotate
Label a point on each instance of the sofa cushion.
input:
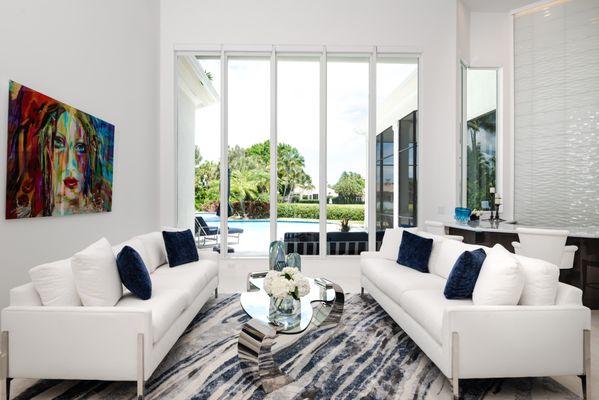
(55, 283)
(166, 306)
(394, 280)
(96, 275)
(501, 279)
(415, 251)
(391, 241)
(448, 252)
(138, 246)
(189, 278)
(540, 282)
(180, 247)
(464, 274)
(427, 308)
(133, 273)
(155, 251)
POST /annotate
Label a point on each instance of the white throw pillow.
(501, 279)
(448, 252)
(391, 241)
(154, 244)
(55, 283)
(436, 250)
(138, 246)
(540, 282)
(96, 275)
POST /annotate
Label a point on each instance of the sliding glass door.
(283, 145)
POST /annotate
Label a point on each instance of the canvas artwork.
(59, 159)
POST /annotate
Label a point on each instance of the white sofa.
(125, 342)
(480, 341)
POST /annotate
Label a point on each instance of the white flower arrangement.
(288, 282)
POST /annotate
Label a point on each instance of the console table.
(488, 233)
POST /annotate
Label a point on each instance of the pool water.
(255, 238)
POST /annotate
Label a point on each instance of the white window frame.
(322, 52)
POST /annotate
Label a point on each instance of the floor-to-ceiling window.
(298, 131)
(396, 148)
(347, 153)
(481, 138)
(313, 111)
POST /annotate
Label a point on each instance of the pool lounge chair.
(205, 232)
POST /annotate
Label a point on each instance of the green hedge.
(354, 212)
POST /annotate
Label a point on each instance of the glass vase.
(285, 312)
(294, 260)
(276, 255)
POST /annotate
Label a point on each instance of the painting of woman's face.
(70, 159)
(59, 158)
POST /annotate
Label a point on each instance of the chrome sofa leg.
(585, 378)
(362, 292)
(140, 367)
(455, 373)
(216, 293)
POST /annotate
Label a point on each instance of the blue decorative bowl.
(462, 214)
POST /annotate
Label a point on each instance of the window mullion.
(322, 174)
(224, 156)
(273, 147)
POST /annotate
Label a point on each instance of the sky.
(298, 108)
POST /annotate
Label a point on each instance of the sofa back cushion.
(391, 241)
(155, 251)
(96, 275)
(464, 275)
(540, 282)
(136, 244)
(501, 279)
(415, 251)
(55, 284)
(447, 253)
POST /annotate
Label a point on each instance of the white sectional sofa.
(479, 341)
(125, 342)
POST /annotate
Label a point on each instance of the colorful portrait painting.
(59, 158)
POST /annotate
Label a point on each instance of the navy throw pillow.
(133, 273)
(180, 247)
(463, 275)
(414, 251)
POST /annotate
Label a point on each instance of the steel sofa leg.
(215, 293)
(4, 379)
(585, 378)
(140, 367)
(362, 292)
(455, 373)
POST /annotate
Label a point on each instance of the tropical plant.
(349, 187)
(480, 165)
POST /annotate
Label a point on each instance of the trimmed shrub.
(354, 212)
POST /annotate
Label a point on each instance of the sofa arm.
(77, 342)
(516, 341)
(370, 254)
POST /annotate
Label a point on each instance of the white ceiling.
(496, 5)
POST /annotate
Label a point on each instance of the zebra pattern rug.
(366, 356)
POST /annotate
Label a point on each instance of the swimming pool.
(256, 232)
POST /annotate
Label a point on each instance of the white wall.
(100, 56)
(491, 45)
(426, 26)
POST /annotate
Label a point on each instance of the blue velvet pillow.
(414, 251)
(180, 247)
(463, 275)
(133, 273)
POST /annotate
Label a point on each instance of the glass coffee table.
(322, 307)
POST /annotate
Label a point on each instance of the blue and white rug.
(367, 356)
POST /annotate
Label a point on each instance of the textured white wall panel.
(557, 114)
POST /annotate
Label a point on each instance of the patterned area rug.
(366, 356)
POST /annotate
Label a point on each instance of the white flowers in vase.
(285, 283)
